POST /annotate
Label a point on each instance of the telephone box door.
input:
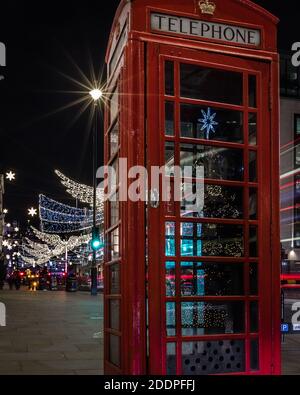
(210, 265)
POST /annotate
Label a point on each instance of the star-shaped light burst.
(32, 212)
(10, 176)
(5, 243)
(208, 122)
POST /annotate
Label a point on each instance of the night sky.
(45, 39)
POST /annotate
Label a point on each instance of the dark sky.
(42, 38)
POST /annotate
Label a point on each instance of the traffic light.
(96, 242)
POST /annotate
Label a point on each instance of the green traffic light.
(96, 244)
(96, 240)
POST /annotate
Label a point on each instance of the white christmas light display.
(60, 218)
(51, 246)
(208, 122)
(34, 261)
(83, 193)
(10, 176)
(56, 241)
(32, 212)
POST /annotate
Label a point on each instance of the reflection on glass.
(253, 203)
(114, 350)
(114, 314)
(114, 105)
(114, 209)
(170, 239)
(170, 279)
(170, 319)
(169, 158)
(297, 155)
(169, 78)
(114, 271)
(211, 318)
(253, 317)
(114, 139)
(216, 202)
(252, 128)
(254, 354)
(169, 119)
(253, 272)
(191, 234)
(211, 123)
(213, 357)
(218, 162)
(203, 83)
(252, 166)
(253, 241)
(171, 359)
(211, 240)
(252, 91)
(211, 279)
(114, 244)
(170, 203)
(114, 174)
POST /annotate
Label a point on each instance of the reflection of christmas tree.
(220, 202)
(209, 316)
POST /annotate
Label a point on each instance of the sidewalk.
(291, 355)
(51, 333)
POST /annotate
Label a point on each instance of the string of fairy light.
(58, 218)
(83, 193)
(51, 246)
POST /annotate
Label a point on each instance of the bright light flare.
(96, 94)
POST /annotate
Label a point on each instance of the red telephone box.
(194, 292)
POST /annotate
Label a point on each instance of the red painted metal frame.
(132, 219)
(140, 117)
(157, 329)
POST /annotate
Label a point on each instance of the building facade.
(290, 169)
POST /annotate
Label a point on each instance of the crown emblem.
(207, 7)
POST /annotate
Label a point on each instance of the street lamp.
(96, 95)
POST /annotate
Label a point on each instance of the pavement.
(51, 333)
(60, 333)
(291, 355)
(291, 343)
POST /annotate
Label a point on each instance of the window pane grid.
(190, 133)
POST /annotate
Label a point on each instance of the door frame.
(267, 216)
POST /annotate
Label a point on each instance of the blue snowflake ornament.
(208, 122)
